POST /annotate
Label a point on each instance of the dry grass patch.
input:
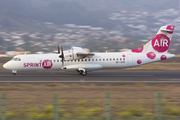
(22, 98)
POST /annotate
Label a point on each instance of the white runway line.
(168, 79)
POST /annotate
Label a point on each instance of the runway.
(102, 77)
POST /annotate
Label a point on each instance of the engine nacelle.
(72, 53)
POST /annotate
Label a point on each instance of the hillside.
(23, 13)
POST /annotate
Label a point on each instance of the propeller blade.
(58, 48)
(62, 56)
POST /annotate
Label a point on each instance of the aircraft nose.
(5, 66)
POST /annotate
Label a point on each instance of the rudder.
(160, 43)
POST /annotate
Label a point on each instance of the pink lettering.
(32, 64)
(25, 65)
(36, 65)
(28, 64)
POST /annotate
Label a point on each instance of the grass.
(25, 99)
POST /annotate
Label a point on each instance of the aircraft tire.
(84, 73)
(14, 73)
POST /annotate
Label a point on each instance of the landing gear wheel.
(14, 72)
(80, 72)
(84, 73)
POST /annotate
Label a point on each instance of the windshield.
(15, 59)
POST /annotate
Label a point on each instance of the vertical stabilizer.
(160, 43)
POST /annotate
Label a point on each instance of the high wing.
(84, 55)
(76, 53)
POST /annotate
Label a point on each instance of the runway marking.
(89, 81)
(168, 79)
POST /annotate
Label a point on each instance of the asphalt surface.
(102, 77)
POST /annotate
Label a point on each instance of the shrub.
(148, 114)
(97, 101)
(34, 109)
(125, 113)
(133, 111)
(83, 103)
(91, 112)
(67, 115)
(136, 110)
(62, 112)
(48, 109)
(10, 114)
(171, 110)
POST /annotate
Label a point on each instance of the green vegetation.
(88, 101)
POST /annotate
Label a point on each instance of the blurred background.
(36, 26)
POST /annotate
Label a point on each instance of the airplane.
(76, 59)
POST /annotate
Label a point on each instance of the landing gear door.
(130, 59)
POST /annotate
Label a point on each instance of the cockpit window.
(15, 59)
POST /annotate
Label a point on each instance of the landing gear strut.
(14, 72)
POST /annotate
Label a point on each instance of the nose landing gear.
(14, 72)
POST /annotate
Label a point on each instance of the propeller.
(62, 55)
(58, 49)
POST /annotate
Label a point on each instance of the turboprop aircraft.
(76, 59)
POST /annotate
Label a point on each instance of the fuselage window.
(85, 59)
(103, 59)
(54, 60)
(57, 60)
(106, 59)
(89, 59)
(120, 58)
(71, 60)
(82, 60)
(99, 59)
(78, 60)
(117, 59)
(110, 59)
(92, 59)
(113, 59)
(123, 58)
(74, 60)
(96, 59)
(40, 61)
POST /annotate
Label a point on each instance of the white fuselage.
(110, 60)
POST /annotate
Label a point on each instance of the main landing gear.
(84, 73)
(14, 72)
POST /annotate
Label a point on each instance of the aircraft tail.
(160, 43)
